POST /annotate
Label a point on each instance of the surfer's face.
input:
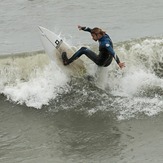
(95, 37)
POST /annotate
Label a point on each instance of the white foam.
(140, 58)
(138, 106)
(42, 87)
(138, 84)
(132, 82)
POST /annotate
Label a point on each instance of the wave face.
(32, 79)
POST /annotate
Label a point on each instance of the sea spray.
(31, 84)
(135, 91)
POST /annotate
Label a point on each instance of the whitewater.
(34, 80)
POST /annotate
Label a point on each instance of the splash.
(141, 57)
(139, 87)
(31, 80)
(132, 92)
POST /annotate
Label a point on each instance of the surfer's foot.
(64, 58)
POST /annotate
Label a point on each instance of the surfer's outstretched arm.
(84, 28)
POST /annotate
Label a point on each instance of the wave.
(144, 65)
(32, 79)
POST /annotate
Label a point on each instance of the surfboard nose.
(40, 27)
(41, 30)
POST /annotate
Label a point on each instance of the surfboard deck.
(54, 45)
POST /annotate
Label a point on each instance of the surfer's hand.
(121, 65)
(80, 27)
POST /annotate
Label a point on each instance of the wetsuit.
(106, 52)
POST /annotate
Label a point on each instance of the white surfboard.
(54, 45)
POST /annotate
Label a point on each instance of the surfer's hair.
(97, 30)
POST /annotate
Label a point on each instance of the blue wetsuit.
(106, 52)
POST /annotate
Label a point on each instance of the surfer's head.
(97, 33)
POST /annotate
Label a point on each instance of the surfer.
(106, 51)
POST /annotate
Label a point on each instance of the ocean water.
(107, 115)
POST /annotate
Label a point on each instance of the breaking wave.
(32, 79)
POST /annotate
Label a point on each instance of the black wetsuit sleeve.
(116, 59)
(87, 29)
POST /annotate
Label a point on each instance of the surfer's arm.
(120, 64)
(111, 51)
(87, 29)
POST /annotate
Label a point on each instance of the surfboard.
(54, 45)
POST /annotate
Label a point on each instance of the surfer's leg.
(108, 61)
(90, 54)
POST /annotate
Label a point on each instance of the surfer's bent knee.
(83, 48)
